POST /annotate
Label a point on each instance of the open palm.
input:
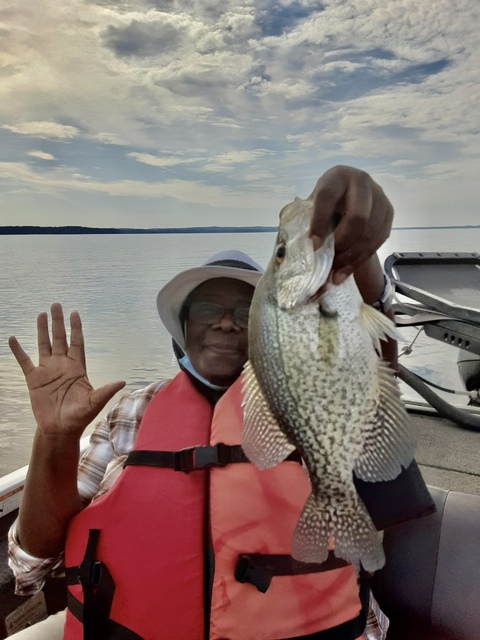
(63, 400)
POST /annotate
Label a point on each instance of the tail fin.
(348, 523)
(310, 538)
(356, 538)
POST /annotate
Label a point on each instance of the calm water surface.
(113, 282)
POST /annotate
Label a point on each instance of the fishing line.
(406, 351)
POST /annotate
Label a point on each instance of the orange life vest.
(137, 554)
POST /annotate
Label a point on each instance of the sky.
(176, 113)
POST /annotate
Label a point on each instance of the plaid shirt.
(99, 468)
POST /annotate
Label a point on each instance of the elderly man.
(148, 522)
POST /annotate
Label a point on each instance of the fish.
(315, 382)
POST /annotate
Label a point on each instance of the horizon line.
(259, 228)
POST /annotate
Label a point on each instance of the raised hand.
(350, 198)
(63, 400)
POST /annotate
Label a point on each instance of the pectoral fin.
(263, 441)
(378, 325)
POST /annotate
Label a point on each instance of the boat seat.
(430, 584)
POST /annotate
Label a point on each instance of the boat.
(430, 585)
(441, 289)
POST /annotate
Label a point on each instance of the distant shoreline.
(30, 230)
(77, 230)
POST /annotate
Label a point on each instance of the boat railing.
(11, 485)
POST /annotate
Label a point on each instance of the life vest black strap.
(193, 458)
(258, 569)
(350, 630)
(111, 631)
(98, 591)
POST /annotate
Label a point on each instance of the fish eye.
(280, 253)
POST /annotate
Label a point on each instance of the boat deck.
(448, 455)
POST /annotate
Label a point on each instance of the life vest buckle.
(246, 570)
(214, 455)
(90, 573)
(183, 460)
(193, 458)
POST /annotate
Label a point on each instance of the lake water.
(113, 282)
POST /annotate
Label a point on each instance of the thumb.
(102, 395)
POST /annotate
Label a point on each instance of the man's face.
(219, 350)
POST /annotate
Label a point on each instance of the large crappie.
(315, 382)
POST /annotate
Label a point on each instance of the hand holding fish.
(365, 212)
(63, 400)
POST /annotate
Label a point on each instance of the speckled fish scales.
(315, 382)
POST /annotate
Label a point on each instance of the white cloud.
(43, 130)
(180, 190)
(239, 157)
(156, 161)
(225, 162)
(41, 155)
(219, 162)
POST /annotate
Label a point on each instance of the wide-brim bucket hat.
(226, 264)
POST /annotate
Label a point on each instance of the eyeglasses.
(211, 313)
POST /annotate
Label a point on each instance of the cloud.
(217, 94)
(156, 161)
(275, 18)
(226, 161)
(41, 155)
(236, 157)
(144, 39)
(43, 130)
(181, 190)
(216, 163)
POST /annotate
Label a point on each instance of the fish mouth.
(319, 281)
(319, 293)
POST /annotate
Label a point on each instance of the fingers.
(77, 344)
(364, 227)
(342, 201)
(43, 337)
(349, 201)
(59, 336)
(357, 209)
(21, 357)
(327, 201)
(45, 347)
(56, 346)
(346, 263)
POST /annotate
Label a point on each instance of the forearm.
(370, 280)
(50, 497)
